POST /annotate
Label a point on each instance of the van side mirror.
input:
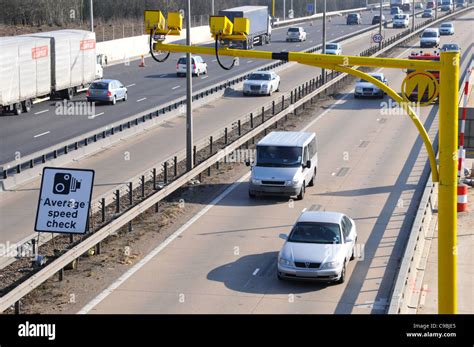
(308, 164)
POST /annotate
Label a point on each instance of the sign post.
(64, 201)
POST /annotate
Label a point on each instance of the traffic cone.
(142, 63)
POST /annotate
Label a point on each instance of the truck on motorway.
(50, 64)
(260, 24)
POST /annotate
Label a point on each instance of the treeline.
(60, 12)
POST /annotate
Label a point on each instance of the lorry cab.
(285, 164)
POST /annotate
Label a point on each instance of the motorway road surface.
(372, 164)
(148, 88)
(18, 207)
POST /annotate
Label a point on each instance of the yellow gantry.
(448, 66)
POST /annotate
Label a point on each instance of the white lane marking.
(249, 61)
(159, 248)
(42, 134)
(256, 271)
(94, 302)
(39, 112)
(204, 77)
(96, 115)
(310, 41)
(130, 85)
(214, 60)
(140, 100)
(175, 87)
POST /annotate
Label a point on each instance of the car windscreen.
(278, 156)
(293, 30)
(100, 85)
(259, 77)
(446, 25)
(329, 46)
(316, 232)
(352, 15)
(430, 34)
(399, 16)
(364, 81)
(182, 61)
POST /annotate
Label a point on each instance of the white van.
(286, 162)
(430, 38)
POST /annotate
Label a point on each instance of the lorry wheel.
(17, 108)
(27, 105)
(68, 94)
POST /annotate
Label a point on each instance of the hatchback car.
(428, 13)
(376, 19)
(353, 18)
(333, 48)
(319, 247)
(365, 88)
(419, 6)
(446, 29)
(198, 67)
(107, 91)
(395, 10)
(451, 47)
(262, 82)
(296, 34)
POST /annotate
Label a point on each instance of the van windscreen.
(278, 156)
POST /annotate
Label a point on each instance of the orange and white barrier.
(462, 198)
(142, 62)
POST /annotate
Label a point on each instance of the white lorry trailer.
(50, 64)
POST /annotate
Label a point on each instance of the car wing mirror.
(283, 236)
(349, 239)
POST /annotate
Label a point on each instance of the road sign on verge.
(377, 38)
(421, 87)
(64, 200)
(310, 8)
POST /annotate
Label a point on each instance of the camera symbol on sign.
(64, 183)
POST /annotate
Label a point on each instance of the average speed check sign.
(64, 201)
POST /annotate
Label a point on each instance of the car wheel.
(353, 249)
(270, 91)
(252, 195)
(280, 277)
(114, 100)
(302, 191)
(278, 87)
(311, 183)
(356, 96)
(125, 97)
(343, 275)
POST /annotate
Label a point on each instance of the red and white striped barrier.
(462, 151)
(462, 198)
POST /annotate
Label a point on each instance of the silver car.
(107, 91)
(318, 248)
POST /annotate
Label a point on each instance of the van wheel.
(302, 191)
(311, 183)
(27, 105)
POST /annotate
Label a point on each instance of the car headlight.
(285, 262)
(265, 86)
(293, 181)
(358, 89)
(331, 265)
(254, 181)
